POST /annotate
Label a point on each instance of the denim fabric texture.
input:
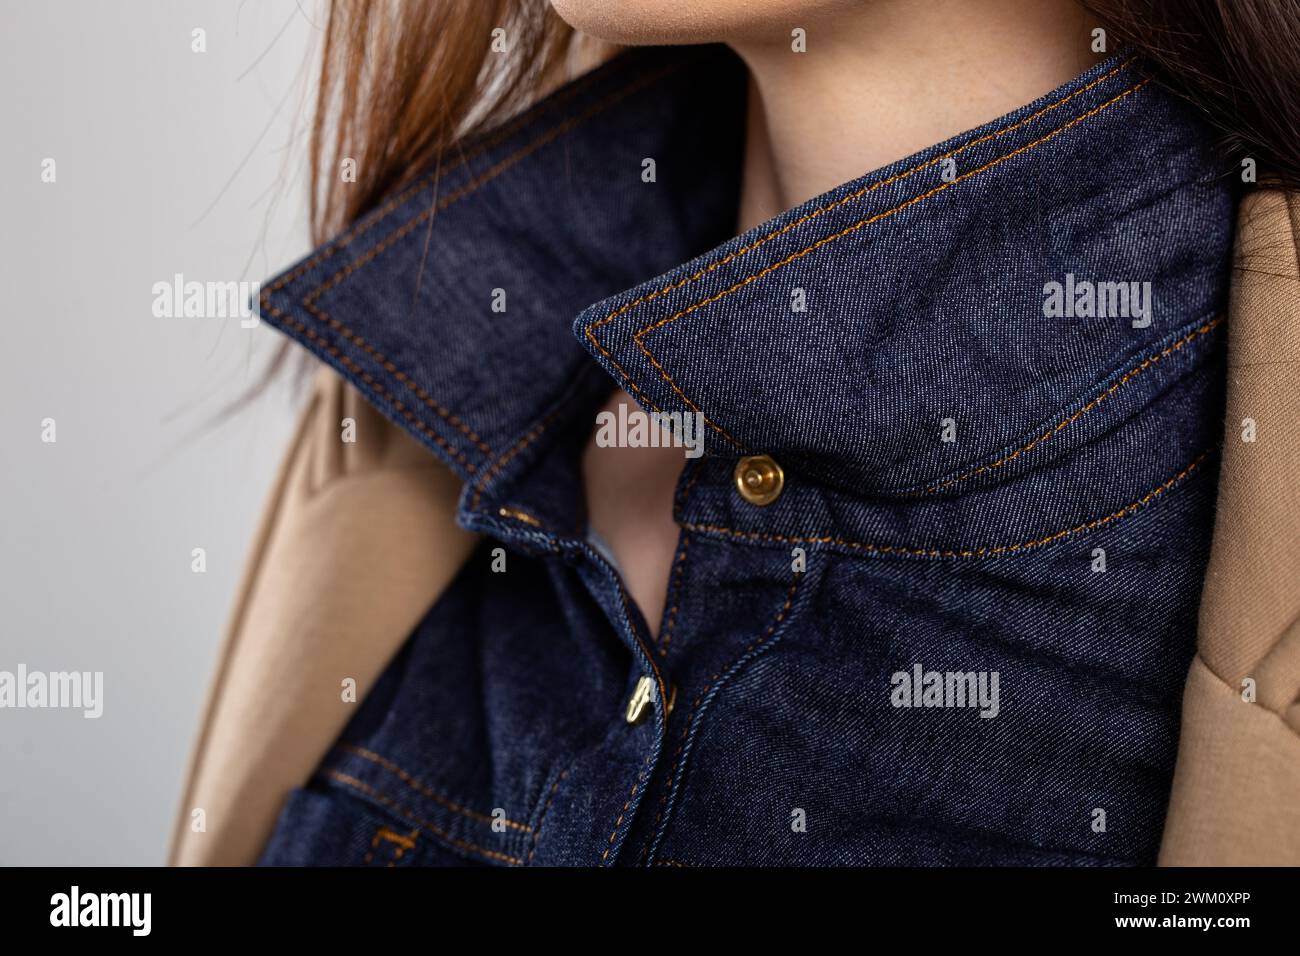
(498, 735)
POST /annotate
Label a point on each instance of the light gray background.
(168, 161)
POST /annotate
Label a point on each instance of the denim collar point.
(839, 337)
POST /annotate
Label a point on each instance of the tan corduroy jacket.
(359, 539)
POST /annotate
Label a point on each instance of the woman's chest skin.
(630, 508)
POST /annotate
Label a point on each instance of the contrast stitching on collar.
(981, 552)
(826, 240)
(369, 220)
(310, 300)
(844, 200)
(1127, 377)
(589, 331)
(335, 352)
(527, 439)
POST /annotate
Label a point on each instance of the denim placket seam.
(546, 809)
(677, 765)
(660, 724)
(665, 635)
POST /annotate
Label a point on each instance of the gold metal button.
(759, 479)
(642, 696)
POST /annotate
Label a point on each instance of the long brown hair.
(401, 81)
(1237, 60)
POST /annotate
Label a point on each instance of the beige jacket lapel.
(356, 544)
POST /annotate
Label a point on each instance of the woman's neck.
(884, 79)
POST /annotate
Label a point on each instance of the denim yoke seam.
(388, 368)
(977, 552)
(638, 337)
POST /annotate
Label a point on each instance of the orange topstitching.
(1128, 376)
(310, 303)
(983, 552)
(419, 787)
(365, 788)
(638, 337)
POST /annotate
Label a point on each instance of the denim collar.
(839, 337)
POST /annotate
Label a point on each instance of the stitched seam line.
(636, 785)
(1128, 376)
(826, 240)
(663, 701)
(857, 194)
(529, 437)
(404, 847)
(666, 635)
(374, 845)
(545, 810)
(518, 515)
(381, 213)
(404, 843)
(676, 768)
(490, 140)
(419, 787)
(622, 372)
(425, 825)
(309, 302)
(983, 552)
(768, 270)
(416, 423)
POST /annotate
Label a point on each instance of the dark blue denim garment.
(498, 734)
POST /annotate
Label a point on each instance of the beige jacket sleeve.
(1236, 792)
(355, 545)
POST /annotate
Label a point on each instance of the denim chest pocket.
(316, 828)
(387, 818)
